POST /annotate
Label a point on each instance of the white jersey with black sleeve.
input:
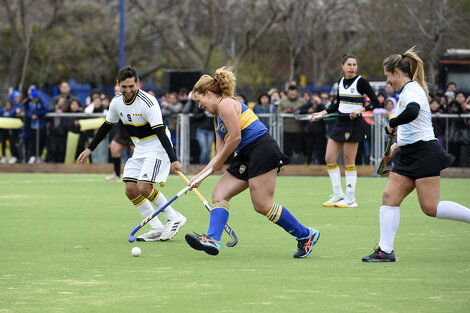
(421, 127)
(350, 99)
(139, 116)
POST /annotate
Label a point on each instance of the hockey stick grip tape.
(198, 180)
(198, 194)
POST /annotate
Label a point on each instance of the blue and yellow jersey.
(251, 127)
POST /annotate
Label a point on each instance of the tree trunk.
(25, 66)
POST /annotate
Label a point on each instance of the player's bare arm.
(315, 117)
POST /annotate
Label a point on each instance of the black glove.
(394, 131)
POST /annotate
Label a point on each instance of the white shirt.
(421, 127)
(139, 116)
(350, 99)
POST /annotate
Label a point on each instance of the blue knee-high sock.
(282, 217)
(219, 217)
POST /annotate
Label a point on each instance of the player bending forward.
(255, 167)
(153, 156)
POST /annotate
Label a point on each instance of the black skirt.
(258, 157)
(348, 130)
(422, 159)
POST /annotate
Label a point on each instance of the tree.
(28, 22)
(433, 26)
(193, 41)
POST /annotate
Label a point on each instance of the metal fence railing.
(452, 131)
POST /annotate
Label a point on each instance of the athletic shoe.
(32, 160)
(203, 242)
(3, 160)
(172, 226)
(333, 200)
(153, 235)
(380, 256)
(114, 178)
(305, 245)
(346, 203)
(13, 160)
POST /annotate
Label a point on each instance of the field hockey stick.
(150, 217)
(382, 170)
(227, 228)
(307, 117)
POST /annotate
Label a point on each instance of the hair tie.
(403, 56)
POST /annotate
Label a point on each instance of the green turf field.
(64, 249)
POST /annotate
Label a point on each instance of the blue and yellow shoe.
(305, 245)
(203, 242)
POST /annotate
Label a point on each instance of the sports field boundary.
(288, 170)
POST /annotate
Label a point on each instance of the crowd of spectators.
(43, 138)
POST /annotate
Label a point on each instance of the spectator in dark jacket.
(35, 110)
(204, 133)
(314, 132)
(9, 135)
(438, 124)
(57, 133)
(264, 106)
(455, 130)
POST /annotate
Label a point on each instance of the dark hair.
(459, 92)
(10, 102)
(349, 56)
(126, 72)
(262, 95)
(456, 104)
(292, 87)
(183, 90)
(162, 94)
(68, 109)
(95, 92)
(451, 83)
(240, 95)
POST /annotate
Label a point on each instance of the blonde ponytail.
(409, 63)
(223, 84)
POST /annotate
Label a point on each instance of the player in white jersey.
(153, 156)
(419, 157)
(347, 131)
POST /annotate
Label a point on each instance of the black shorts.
(348, 130)
(421, 159)
(258, 157)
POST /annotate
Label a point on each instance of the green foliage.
(84, 40)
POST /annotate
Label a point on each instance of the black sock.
(117, 166)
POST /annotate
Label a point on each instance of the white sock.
(335, 176)
(389, 220)
(453, 211)
(169, 212)
(351, 179)
(146, 209)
